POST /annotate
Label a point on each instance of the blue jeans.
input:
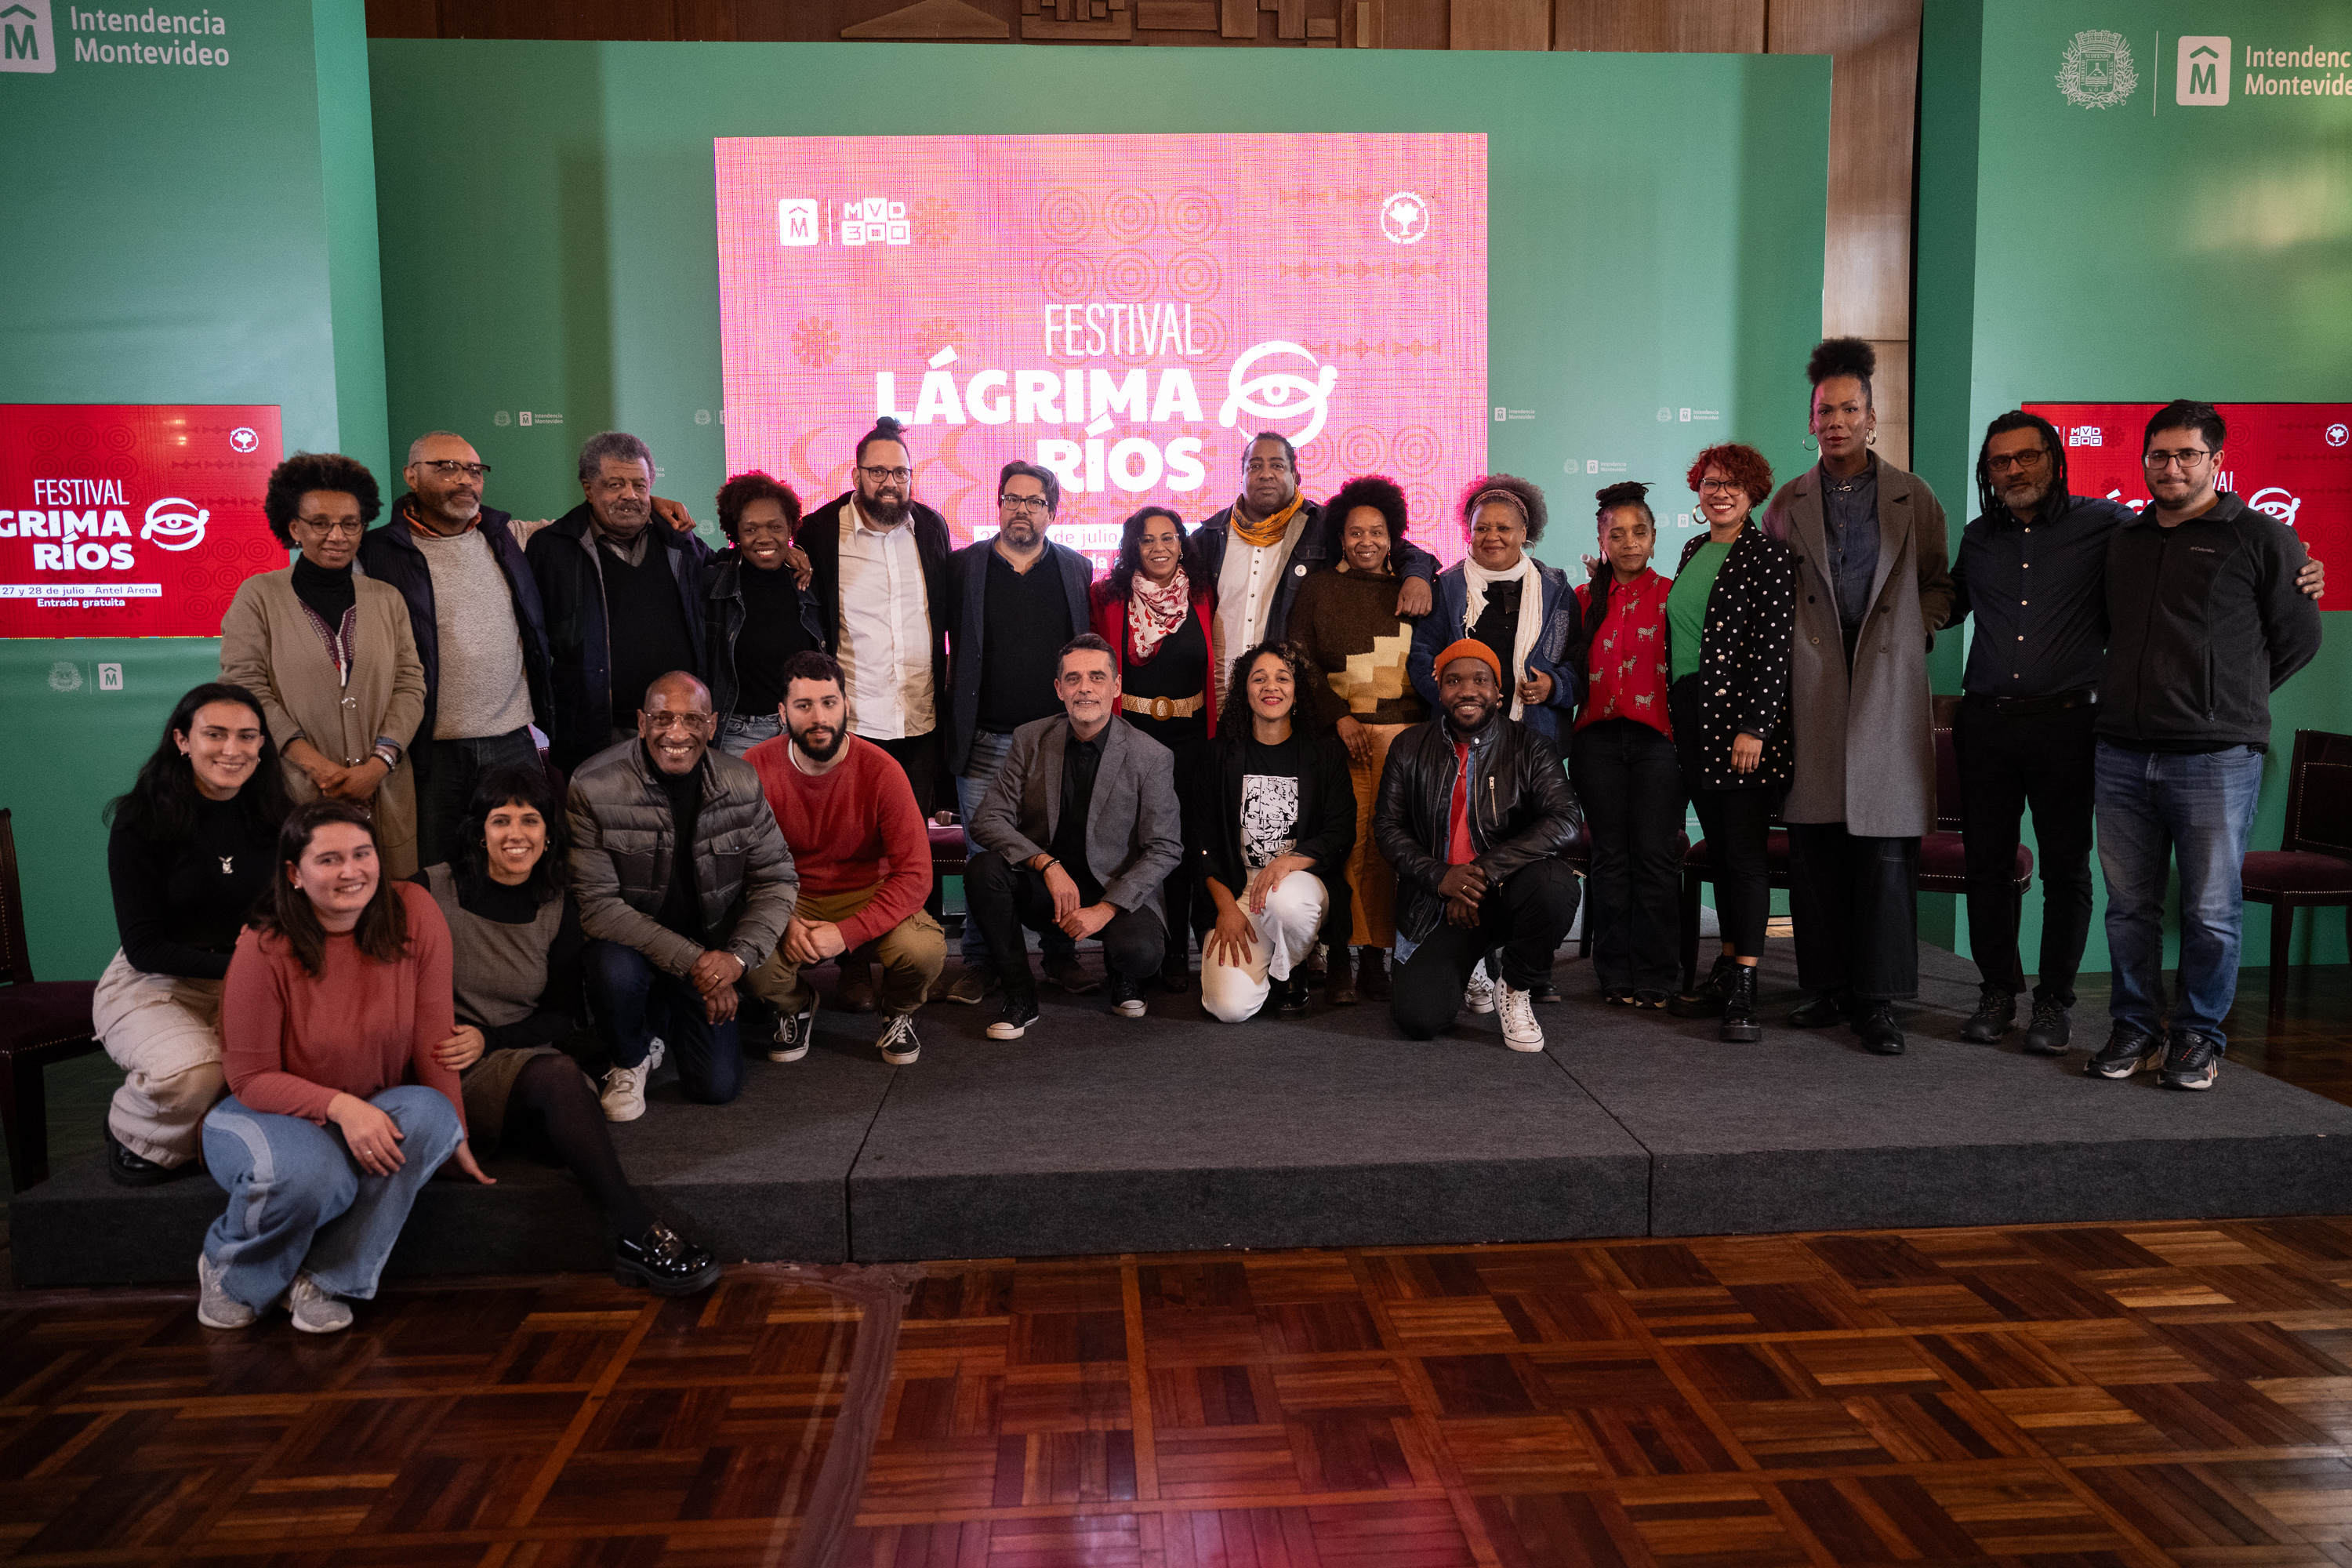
(2153, 807)
(738, 732)
(631, 1002)
(297, 1201)
(988, 748)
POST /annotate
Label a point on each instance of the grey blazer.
(1865, 748)
(1132, 841)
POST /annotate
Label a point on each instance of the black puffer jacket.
(1521, 809)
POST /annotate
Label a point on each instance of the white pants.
(1282, 934)
(164, 1032)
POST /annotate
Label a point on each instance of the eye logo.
(175, 525)
(1404, 218)
(1278, 394)
(2275, 500)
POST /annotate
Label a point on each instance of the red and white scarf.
(1153, 615)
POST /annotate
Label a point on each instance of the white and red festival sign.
(1123, 309)
(132, 519)
(2292, 460)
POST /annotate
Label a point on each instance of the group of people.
(368, 928)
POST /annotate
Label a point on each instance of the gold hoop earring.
(1808, 444)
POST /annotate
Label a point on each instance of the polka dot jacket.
(1743, 660)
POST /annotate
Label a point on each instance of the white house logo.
(27, 42)
(1278, 393)
(2097, 71)
(1404, 218)
(2277, 502)
(175, 525)
(2338, 435)
(243, 439)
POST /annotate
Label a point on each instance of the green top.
(1686, 606)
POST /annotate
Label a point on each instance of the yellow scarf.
(1267, 531)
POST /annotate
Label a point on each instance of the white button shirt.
(885, 630)
(1246, 585)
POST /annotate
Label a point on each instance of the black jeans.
(1630, 781)
(1737, 825)
(1527, 917)
(445, 776)
(923, 758)
(2045, 760)
(1856, 904)
(1005, 898)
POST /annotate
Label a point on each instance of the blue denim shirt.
(1850, 525)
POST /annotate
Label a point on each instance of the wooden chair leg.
(2281, 947)
(24, 1121)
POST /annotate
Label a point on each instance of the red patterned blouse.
(1628, 678)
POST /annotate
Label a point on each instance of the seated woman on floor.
(190, 849)
(338, 1110)
(1277, 820)
(516, 974)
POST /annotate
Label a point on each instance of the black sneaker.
(1881, 1031)
(1020, 1011)
(2127, 1052)
(2191, 1061)
(136, 1169)
(664, 1262)
(2051, 1031)
(1705, 1000)
(1290, 996)
(1996, 1014)
(792, 1032)
(1543, 991)
(898, 1041)
(1739, 1026)
(1126, 996)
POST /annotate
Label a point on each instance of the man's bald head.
(676, 723)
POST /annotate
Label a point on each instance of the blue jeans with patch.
(2154, 807)
(297, 1201)
(989, 750)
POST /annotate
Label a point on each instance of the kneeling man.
(684, 886)
(1474, 812)
(864, 861)
(1079, 831)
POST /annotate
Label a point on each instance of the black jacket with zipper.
(2204, 623)
(1521, 809)
(570, 578)
(722, 623)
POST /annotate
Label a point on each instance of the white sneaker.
(1521, 1030)
(792, 1031)
(1479, 997)
(898, 1040)
(624, 1092)
(315, 1311)
(215, 1308)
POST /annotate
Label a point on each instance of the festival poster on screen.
(1125, 310)
(132, 519)
(2292, 460)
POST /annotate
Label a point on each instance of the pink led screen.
(1123, 309)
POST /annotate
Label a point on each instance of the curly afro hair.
(1624, 492)
(1303, 674)
(1378, 491)
(1842, 356)
(303, 472)
(1530, 500)
(1744, 465)
(742, 490)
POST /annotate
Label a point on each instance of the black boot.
(1705, 1000)
(663, 1262)
(1740, 1026)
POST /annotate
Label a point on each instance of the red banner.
(2292, 460)
(132, 519)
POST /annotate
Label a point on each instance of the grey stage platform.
(1099, 1135)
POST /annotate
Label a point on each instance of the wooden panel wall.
(1875, 44)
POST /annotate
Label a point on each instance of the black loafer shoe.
(1291, 997)
(1547, 991)
(664, 1262)
(1826, 1011)
(1881, 1034)
(137, 1170)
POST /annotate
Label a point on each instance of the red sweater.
(291, 1042)
(850, 829)
(1629, 667)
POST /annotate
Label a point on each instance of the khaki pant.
(911, 953)
(164, 1032)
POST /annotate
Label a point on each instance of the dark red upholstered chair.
(2312, 867)
(41, 1021)
(947, 860)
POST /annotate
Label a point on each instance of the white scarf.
(1477, 580)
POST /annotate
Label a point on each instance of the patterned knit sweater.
(1347, 622)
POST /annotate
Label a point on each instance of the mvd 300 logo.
(2097, 70)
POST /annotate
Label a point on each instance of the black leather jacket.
(1521, 809)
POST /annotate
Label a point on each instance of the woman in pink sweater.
(339, 1110)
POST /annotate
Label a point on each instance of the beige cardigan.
(270, 646)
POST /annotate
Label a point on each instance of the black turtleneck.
(329, 593)
(681, 905)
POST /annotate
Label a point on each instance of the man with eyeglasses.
(878, 565)
(2032, 567)
(2204, 623)
(1018, 598)
(624, 599)
(473, 606)
(683, 885)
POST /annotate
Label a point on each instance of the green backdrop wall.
(177, 234)
(2145, 251)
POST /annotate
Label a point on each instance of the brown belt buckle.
(1163, 708)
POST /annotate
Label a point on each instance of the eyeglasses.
(2185, 460)
(2002, 463)
(451, 468)
(899, 476)
(1721, 487)
(1024, 503)
(692, 723)
(331, 527)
